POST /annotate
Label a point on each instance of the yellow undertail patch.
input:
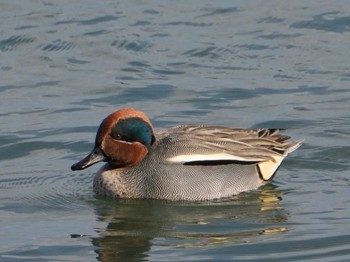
(268, 168)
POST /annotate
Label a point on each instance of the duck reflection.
(134, 227)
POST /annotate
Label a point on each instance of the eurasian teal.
(190, 162)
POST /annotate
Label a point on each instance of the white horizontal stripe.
(198, 157)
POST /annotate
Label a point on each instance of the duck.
(185, 162)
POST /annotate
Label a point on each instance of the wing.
(214, 145)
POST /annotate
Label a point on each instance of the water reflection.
(137, 227)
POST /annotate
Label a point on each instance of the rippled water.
(65, 65)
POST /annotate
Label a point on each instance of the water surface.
(65, 65)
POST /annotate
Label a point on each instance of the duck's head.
(123, 139)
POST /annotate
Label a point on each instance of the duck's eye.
(116, 136)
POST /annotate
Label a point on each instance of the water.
(65, 65)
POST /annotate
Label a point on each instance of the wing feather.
(184, 144)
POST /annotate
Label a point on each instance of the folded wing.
(212, 145)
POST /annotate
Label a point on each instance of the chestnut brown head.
(123, 139)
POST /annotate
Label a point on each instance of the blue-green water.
(65, 65)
